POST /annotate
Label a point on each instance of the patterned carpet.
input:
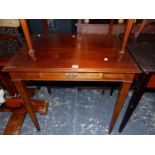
(87, 112)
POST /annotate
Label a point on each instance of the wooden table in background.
(66, 57)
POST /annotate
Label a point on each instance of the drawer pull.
(71, 75)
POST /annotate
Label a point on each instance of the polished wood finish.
(25, 29)
(126, 35)
(67, 57)
(38, 105)
(59, 52)
(89, 31)
(16, 120)
(102, 29)
(27, 102)
(119, 103)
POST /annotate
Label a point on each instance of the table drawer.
(70, 76)
(60, 76)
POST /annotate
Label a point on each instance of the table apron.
(126, 77)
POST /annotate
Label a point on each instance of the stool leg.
(111, 91)
(27, 102)
(126, 35)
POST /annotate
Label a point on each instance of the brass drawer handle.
(71, 75)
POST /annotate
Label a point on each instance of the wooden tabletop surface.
(74, 53)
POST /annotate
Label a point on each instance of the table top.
(143, 51)
(74, 53)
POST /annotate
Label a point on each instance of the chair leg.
(111, 91)
(104, 85)
(48, 87)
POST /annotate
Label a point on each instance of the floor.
(86, 112)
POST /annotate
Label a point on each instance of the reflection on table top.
(74, 53)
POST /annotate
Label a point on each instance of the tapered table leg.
(22, 90)
(136, 96)
(119, 103)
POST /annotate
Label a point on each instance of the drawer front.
(71, 76)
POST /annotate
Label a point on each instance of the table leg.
(27, 102)
(119, 103)
(136, 96)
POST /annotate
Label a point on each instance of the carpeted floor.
(87, 112)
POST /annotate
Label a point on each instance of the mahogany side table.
(66, 57)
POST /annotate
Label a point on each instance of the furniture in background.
(143, 51)
(144, 23)
(4, 77)
(96, 26)
(14, 103)
(13, 24)
(5, 56)
(38, 26)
